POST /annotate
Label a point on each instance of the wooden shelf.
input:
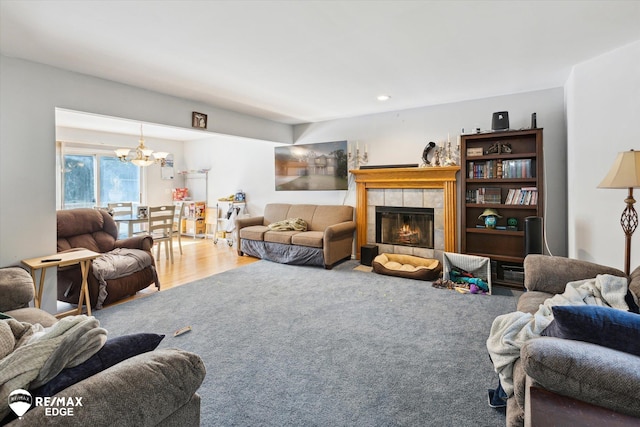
(500, 205)
(531, 155)
(497, 232)
(508, 181)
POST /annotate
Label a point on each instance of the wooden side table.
(82, 257)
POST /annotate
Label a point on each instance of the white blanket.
(510, 331)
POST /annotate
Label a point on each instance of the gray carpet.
(303, 346)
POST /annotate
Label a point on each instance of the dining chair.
(160, 227)
(177, 222)
(121, 209)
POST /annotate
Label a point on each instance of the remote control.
(182, 331)
(51, 260)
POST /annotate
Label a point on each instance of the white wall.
(603, 108)
(248, 165)
(392, 138)
(30, 94)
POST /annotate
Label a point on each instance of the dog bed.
(407, 266)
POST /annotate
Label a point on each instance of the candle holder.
(356, 159)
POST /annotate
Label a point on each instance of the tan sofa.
(328, 239)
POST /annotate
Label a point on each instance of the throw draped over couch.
(155, 388)
(327, 240)
(571, 382)
(96, 230)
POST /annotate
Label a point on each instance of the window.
(95, 180)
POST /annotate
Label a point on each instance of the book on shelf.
(517, 168)
(487, 169)
(484, 195)
(522, 196)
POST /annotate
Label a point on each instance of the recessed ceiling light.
(384, 97)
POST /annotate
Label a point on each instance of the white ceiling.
(308, 61)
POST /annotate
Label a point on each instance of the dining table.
(130, 220)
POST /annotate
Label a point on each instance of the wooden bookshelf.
(521, 168)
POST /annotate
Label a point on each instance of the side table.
(82, 257)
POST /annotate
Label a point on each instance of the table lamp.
(625, 173)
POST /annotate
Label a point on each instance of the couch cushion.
(283, 237)
(605, 326)
(275, 212)
(114, 351)
(551, 274)
(33, 315)
(530, 301)
(312, 239)
(304, 212)
(253, 232)
(92, 229)
(326, 215)
(17, 289)
(585, 371)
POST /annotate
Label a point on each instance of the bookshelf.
(509, 181)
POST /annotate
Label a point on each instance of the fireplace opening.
(404, 226)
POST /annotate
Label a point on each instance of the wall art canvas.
(318, 167)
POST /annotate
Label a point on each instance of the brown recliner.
(96, 230)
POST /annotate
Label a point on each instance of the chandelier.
(142, 156)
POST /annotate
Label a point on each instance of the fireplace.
(405, 226)
(410, 187)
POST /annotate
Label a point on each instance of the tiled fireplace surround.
(407, 187)
(408, 198)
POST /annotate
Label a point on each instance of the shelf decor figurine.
(425, 154)
(499, 148)
(490, 217)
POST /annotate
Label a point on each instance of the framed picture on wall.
(198, 120)
(319, 167)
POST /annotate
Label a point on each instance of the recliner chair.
(96, 230)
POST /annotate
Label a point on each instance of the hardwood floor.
(200, 258)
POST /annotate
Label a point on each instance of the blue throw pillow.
(605, 326)
(114, 351)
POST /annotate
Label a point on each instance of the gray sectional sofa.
(561, 381)
(155, 388)
(327, 240)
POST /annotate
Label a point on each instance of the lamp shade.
(625, 172)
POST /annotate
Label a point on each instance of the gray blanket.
(117, 263)
(39, 354)
(510, 331)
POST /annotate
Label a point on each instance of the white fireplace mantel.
(401, 178)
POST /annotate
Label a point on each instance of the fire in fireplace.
(404, 226)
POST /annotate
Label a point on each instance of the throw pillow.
(605, 326)
(114, 351)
